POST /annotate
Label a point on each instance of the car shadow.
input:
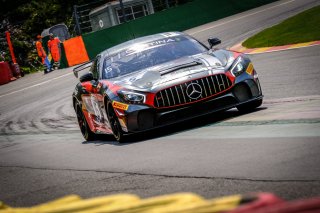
(194, 123)
(103, 140)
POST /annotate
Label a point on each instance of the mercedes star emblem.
(194, 91)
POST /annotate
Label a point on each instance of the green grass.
(303, 27)
(29, 70)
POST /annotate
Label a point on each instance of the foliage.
(25, 19)
(303, 27)
(28, 70)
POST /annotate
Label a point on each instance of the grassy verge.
(29, 70)
(303, 27)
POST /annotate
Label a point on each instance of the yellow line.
(259, 50)
(301, 44)
(286, 47)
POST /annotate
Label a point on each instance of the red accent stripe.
(88, 86)
(236, 54)
(113, 87)
(89, 120)
(93, 126)
(249, 50)
(150, 99)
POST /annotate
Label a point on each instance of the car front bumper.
(140, 117)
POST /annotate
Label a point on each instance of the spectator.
(54, 48)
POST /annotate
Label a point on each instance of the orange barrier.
(75, 50)
(5, 73)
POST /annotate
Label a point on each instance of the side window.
(95, 68)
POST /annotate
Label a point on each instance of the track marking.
(268, 122)
(35, 85)
(241, 17)
(271, 51)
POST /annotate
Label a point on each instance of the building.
(110, 14)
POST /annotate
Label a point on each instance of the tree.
(25, 19)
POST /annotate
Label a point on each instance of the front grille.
(192, 91)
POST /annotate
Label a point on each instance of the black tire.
(84, 127)
(250, 106)
(114, 124)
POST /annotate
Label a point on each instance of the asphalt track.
(276, 148)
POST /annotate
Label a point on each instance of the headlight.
(132, 97)
(238, 67)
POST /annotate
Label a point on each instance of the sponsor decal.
(120, 105)
(92, 105)
(161, 42)
(250, 69)
(99, 86)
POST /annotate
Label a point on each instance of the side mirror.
(81, 67)
(214, 42)
(86, 77)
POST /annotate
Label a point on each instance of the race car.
(158, 80)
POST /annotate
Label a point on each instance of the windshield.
(143, 55)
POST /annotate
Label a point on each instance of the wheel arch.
(74, 101)
(107, 102)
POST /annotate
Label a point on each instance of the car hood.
(177, 71)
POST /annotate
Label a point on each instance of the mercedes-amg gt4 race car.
(159, 80)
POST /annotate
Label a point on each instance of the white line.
(292, 99)
(35, 85)
(217, 25)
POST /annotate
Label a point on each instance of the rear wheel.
(114, 124)
(84, 127)
(250, 106)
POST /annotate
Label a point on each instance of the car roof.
(145, 39)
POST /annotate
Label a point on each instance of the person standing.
(42, 54)
(54, 48)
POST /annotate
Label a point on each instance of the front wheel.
(250, 106)
(114, 124)
(84, 127)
